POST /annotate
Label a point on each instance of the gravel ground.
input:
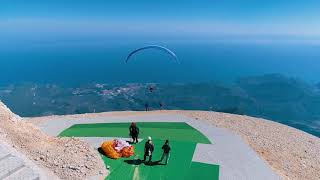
(67, 158)
(292, 153)
(236, 159)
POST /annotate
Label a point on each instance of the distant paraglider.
(151, 89)
(164, 49)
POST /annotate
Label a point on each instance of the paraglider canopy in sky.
(161, 48)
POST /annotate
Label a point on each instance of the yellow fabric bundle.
(108, 149)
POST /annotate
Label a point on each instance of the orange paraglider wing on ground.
(108, 149)
(127, 151)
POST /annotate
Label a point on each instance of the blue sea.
(104, 61)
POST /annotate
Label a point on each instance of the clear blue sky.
(50, 18)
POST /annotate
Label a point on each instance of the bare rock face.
(67, 158)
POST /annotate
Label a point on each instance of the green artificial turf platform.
(183, 139)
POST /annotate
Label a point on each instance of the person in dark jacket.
(134, 132)
(146, 106)
(148, 150)
(166, 151)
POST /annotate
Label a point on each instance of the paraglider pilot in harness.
(134, 132)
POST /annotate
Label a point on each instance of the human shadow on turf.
(133, 161)
(154, 163)
(139, 162)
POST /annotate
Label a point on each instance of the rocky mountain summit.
(66, 158)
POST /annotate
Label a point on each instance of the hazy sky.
(172, 18)
(59, 30)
